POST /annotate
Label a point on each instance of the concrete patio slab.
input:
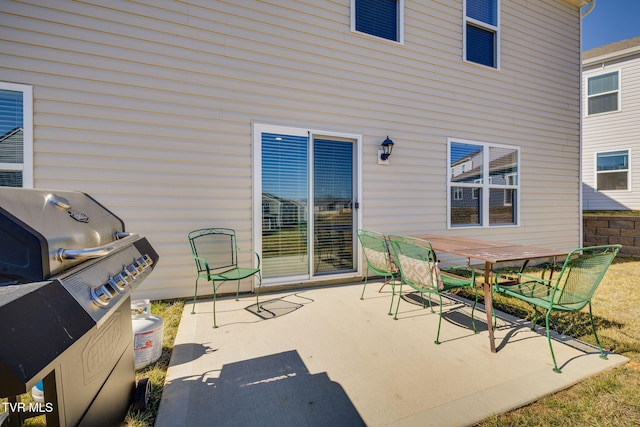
(321, 356)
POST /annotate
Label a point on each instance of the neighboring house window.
(612, 170)
(16, 135)
(484, 192)
(380, 18)
(481, 32)
(603, 93)
(457, 193)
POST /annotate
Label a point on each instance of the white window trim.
(587, 96)
(257, 130)
(485, 184)
(495, 29)
(27, 118)
(596, 172)
(400, 24)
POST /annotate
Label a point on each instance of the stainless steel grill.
(67, 269)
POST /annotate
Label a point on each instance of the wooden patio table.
(491, 252)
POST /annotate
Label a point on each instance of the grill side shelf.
(38, 326)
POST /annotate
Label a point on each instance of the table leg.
(488, 304)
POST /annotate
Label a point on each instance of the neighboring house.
(278, 213)
(611, 126)
(268, 116)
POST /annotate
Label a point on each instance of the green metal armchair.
(216, 256)
(570, 291)
(420, 270)
(378, 258)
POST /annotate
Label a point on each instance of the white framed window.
(16, 135)
(612, 170)
(484, 192)
(481, 32)
(379, 18)
(603, 93)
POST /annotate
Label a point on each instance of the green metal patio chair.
(420, 270)
(216, 256)
(570, 291)
(378, 258)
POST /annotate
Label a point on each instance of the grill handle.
(100, 251)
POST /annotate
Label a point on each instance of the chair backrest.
(581, 274)
(217, 246)
(417, 262)
(376, 250)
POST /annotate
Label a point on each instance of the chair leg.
(366, 276)
(493, 310)
(237, 290)
(473, 309)
(553, 356)
(258, 292)
(393, 293)
(193, 307)
(593, 326)
(437, 341)
(385, 282)
(398, 303)
(215, 325)
(495, 319)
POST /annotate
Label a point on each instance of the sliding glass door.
(308, 198)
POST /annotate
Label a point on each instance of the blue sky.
(611, 21)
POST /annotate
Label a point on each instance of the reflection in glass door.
(308, 221)
(333, 205)
(285, 192)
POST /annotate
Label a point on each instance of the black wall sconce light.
(385, 153)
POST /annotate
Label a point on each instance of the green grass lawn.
(608, 399)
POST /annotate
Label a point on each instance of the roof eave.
(578, 3)
(612, 56)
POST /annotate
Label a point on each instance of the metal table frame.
(491, 252)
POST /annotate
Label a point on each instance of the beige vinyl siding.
(148, 107)
(613, 131)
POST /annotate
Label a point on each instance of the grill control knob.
(127, 279)
(101, 295)
(146, 259)
(137, 267)
(117, 284)
(131, 272)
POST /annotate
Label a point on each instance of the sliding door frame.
(258, 129)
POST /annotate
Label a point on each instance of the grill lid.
(44, 232)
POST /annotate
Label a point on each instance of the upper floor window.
(612, 170)
(380, 18)
(16, 135)
(483, 184)
(603, 93)
(481, 32)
